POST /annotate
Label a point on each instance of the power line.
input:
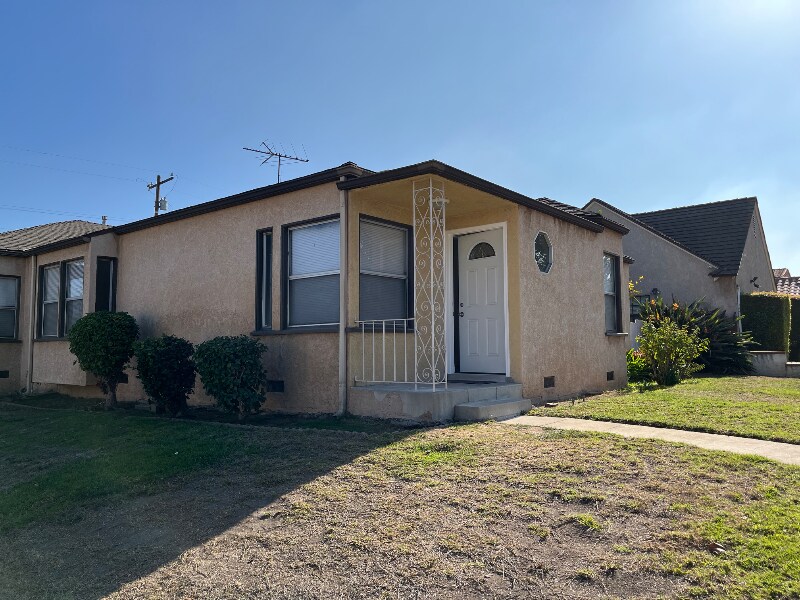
(21, 164)
(54, 212)
(99, 162)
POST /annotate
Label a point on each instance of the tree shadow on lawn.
(108, 541)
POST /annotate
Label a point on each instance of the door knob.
(461, 314)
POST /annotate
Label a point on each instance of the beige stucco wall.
(12, 352)
(562, 319)
(755, 260)
(675, 272)
(196, 278)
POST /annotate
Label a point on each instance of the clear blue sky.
(644, 104)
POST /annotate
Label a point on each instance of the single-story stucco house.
(713, 252)
(377, 293)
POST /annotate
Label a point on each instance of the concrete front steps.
(462, 400)
(498, 408)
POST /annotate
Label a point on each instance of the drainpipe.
(31, 323)
(739, 307)
(344, 280)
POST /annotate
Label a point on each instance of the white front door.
(480, 311)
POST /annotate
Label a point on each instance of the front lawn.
(95, 504)
(767, 408)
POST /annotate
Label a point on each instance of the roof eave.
(434, 167)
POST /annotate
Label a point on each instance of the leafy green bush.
(670, 350)
(231, 371)
(638, 369)
(768, 316)
(165, 367)
(103, 344)
(794, 333)
(728, 350)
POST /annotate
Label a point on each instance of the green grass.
(55, 460)
(757, 407)
(439, 503)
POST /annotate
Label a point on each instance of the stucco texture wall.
(12, 352)
(672, 270)
(755, 260)
(196, 278)
(562, 317)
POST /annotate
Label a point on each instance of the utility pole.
(157, 187)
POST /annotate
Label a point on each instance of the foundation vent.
(275, 385)
(4, 374)
(610, 376)
(550, 382)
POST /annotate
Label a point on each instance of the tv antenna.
(270, 153)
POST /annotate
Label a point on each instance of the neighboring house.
(715, 251)
(363, 286)
(781, 273)
(788, 285)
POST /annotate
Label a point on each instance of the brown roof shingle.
(22, 240)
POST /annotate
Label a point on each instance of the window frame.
(638, 297)
(286, 268)
(551, 253)
(409, 278)
(112, 300)
(263, 308)
(15, 334)
(617, 288)
(62, 268)
(69, 299)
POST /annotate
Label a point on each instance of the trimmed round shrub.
(165, 367)
(232, 373)
(103, 344)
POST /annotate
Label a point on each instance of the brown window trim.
(15, 336)
(260, 325)
(617, 292)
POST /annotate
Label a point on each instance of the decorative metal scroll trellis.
(430, 324)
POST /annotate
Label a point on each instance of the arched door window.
(481, 250)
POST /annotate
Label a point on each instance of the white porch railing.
(379, 350)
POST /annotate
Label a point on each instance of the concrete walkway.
(778, 451)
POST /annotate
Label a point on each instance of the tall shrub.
(794, 333)
(165, 367)
(231, 371)
(670, 350)
(103, 342)
(768, 316)
(728, 350)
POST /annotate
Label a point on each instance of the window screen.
(383, 282)
(73, 293)
(9, 293)
(313, 287)
(610, 291)
(106, 291)
(51, 286)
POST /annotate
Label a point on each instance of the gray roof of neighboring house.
(716, 231)
(782, 272)
(788, 285)
(22, 240)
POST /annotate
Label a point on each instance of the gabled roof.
(788, 285)
(644, 225)
(716, 231)
(31, 238)
(783, 272)
(586, 219)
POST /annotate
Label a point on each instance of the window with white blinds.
(383, 280)
(313, 286)
(9, 296)
(51, 289)
(60, 297)
(73, 293)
